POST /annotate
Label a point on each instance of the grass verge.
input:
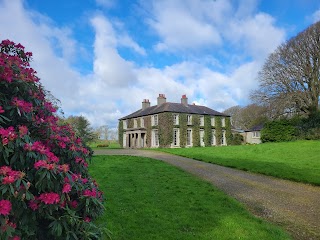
(149, 199)
(298, 161)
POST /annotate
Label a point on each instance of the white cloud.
(316, 16)
(116, 86)
(179, 29)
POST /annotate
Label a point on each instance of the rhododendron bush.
(46, 191)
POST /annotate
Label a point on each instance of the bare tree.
(289, 79)
(248, 116)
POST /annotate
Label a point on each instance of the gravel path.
(295, 206)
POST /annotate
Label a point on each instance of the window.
(142, 122)
(189, 137)
(155, 138)
(213, 138)
(124, 124)
(202, 138)
(213, 122)
(175, 119)
(189, 119)
(223, 122)
(154, 120)
(256, 134)
(135, 123)
(201, 121)
(223, 138)
(176, 141)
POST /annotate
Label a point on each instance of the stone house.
(174, 125)
(253, 135)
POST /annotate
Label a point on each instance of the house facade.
(174, 125)
(253, 135)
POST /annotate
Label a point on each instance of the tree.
(82, 127)
(102, 132)
(290, 78)
(248, 116)
(46, 189)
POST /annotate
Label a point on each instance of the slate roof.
(175, 108)
(256, 128)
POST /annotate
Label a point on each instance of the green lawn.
(149, 199)
(298, 161)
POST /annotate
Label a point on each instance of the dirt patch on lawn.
(294, 206)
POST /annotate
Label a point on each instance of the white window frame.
(213, 138)
(201, 134)
(135, 123)
(223, 138)
(255, 134)
(175, 119)
(176, 137)
(154, 120)
(189, 119)
(155, 138)
(189, 137)
(142, 122)
(223, 122)
(124, 124)
(213, 121)
(201, 121)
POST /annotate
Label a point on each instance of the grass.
(149, 199)
(112, 144)
(298, 161)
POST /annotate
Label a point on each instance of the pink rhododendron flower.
(39, 164)
(5, 207)
(66, 188)
(15, 238)
(22, 105)
(1, 109)
(8, 180)
(87, 219)
(23, 130)
(74, 204)
(4, 170)
(33, 204)
(49, 198)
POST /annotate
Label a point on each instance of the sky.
(101, 58)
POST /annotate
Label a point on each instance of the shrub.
(279, 131)
(102, 145)
(46, 191)
(237, 139)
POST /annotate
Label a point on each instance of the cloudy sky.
(101, 58)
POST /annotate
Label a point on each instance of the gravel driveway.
(294, 206)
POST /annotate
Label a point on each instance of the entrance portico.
(135, 138)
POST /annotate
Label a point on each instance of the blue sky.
(101, 58)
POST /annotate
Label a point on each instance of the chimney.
(145, 104)
(161, 99)
(184, 100)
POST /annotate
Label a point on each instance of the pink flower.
(22, 105)
(15, 238)
(63, 168)
(5, 207)
(23, 130)
(66, 188)
(49, 198)
(87, 219)
(4, 170)
(1, 109)
(5, 141)
(8, 180)
(33, 204)
(74, 204)
(39, 164)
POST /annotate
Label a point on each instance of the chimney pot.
(145, 104)
(161, 99)
(184, 100)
